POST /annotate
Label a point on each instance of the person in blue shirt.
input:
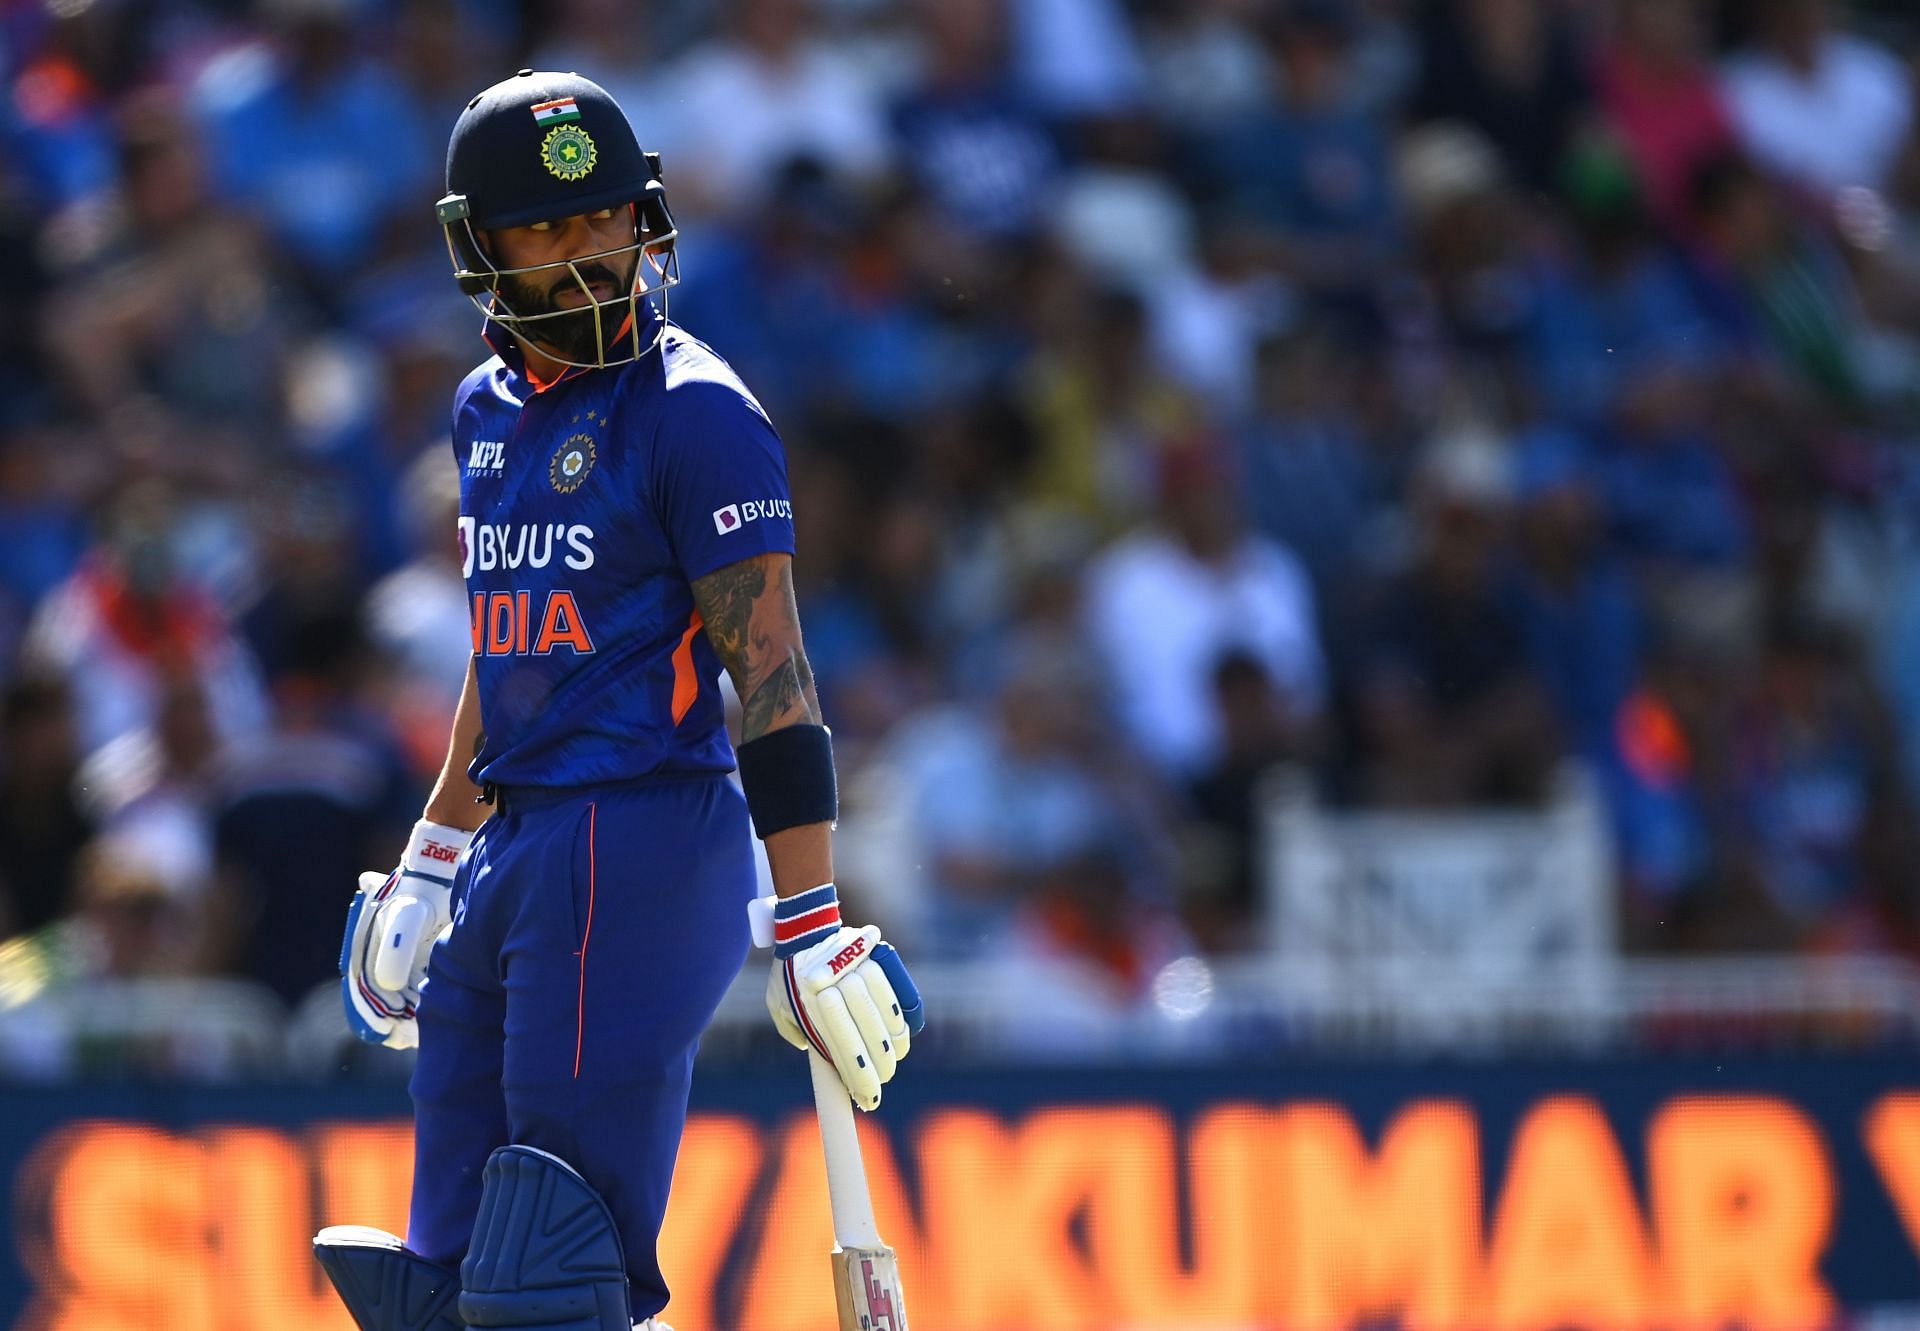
(626, 533)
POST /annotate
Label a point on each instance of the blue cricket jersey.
(587, 508)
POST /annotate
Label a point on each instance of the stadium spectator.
(1204, 62)
(1449, 711)
(1079, 59)
(1575, 598)
(1658, 94)
(1165, 603)
(1820, 792)
(316, 137)
(171, 328)
(1312, 481)
(1672, 499)
(418, 619)
(765, 93)
(1019, 803)
(1102, 411)
(43, 825)
(974, 144)
(1260, 731)
(1823, 109)
(1780, 282)
(1615, 304)
(300, 810)
(130, 617)
(1512, 69)
(1670, 732)
(1310, 171)
(160, 775)
(57, 119)
(437, 44)
(135, 914)
(47, 474)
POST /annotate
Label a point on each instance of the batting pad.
(384, 1286)
(545, 1255)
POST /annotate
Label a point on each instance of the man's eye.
(605, 214)
(540, 226)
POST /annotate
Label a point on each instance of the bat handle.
(853, 1225)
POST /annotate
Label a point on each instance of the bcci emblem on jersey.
(568, 152)
(569, 468)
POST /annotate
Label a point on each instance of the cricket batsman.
(626, 532)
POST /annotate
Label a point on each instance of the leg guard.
(384, 1286)
(545, 1253)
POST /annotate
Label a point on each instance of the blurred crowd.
(1423, 394)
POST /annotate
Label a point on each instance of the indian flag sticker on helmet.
(568, 152)
(555, 112)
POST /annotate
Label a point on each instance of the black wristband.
(787, 775)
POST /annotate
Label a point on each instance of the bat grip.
(853, 1225)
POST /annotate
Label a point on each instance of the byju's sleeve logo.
(735, 516)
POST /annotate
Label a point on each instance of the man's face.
(572, 337)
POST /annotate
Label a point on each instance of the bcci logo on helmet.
(568, 152)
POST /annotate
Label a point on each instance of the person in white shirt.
(1827, 110)
(1165, 604)
(764, 94)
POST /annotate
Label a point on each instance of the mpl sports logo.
(732, 517)
(487, 457)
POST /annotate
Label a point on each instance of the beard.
(570, 335)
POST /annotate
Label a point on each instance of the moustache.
(588, 274)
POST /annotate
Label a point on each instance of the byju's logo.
(735, 516)
(486, 546)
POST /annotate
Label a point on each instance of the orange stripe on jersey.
(686, 684)
(542, 385)
(580, 1015)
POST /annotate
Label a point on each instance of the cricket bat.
(866, 1278)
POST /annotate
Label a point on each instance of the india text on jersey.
(506, 624)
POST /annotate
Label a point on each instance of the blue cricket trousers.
(595, 930)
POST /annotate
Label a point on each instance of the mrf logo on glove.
(391, 929)
(439, 850)
(851, 953)
(840, 991)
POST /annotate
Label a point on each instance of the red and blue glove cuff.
(803, 920)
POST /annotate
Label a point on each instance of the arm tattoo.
(752, 622)
(778, 697)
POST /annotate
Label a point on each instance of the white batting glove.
(391, 928)
(842, 991)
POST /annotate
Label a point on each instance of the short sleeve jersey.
(588, 507)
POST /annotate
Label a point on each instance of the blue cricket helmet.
(539, 147)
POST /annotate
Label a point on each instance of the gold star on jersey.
(571, 463)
